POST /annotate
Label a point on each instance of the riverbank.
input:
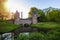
(6, 27)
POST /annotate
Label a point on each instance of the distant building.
(18, 20)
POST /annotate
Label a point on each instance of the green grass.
(47, 25)
(6, 27)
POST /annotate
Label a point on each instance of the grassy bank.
(6, 27)
(46, 25)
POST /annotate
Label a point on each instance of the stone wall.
(25, 21)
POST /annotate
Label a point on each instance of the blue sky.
(41, 3)
(25, 5)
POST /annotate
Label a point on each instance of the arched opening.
(26, 25)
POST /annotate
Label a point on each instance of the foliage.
(39, 12)
(53, 35)
(48, 14)
(37, 36)
(54, 15)
(23, 36)
(41, 16)
(32, 10)
(32, 36)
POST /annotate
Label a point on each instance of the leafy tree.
(47, 10)
(54, 15)
(40, 14)
(32, 10)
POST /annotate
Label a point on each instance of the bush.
(37, 36)
(23, 36)
(54, 35)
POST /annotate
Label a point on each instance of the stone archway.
(26, 25)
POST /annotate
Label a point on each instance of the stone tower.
(17, 18)
(34, 17)
(16, 15)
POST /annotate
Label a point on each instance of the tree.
(54, 15)
(32, 10)
(40, 14)
(3, 11)
(47, 10)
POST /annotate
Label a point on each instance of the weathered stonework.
(18, 20)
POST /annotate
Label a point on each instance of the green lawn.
(6, 27)
(50, 25)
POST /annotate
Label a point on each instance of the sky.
(25, 5)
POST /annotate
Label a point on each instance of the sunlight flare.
(20, 6)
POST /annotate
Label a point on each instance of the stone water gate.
(29, 21)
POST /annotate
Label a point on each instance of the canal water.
(9, 36)
(6, 36)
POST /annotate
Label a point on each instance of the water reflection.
(6, 36)
(10, 36)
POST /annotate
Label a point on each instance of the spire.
(21, 14)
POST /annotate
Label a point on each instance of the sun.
(20, 6)
(10, 6)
